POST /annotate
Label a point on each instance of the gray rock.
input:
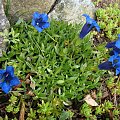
(72, 10)
(4, 24)
(25, 8)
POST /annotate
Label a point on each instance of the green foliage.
(45, 108)
(65, 115)
(109, 21)
(104, 107)
(14, 105)
(61, 66)
(32, 114)
(113, 84)
(86, 110)
(108, 108)
(6, 34)
(116, 112)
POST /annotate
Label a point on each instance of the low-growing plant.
(109, 21)
(54, 66)
(57, 69)
(14, 105)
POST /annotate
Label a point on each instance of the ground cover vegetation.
(58, 72)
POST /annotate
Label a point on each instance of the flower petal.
(33, 22)
(105, 66)
(5, 87)
(117, 64)
(117, 71)
(1, 84)
(85, 30)
(44, 17)
(115, 49)
(113, 57)
(117, 43)
(10, 70)
(39, 29)
(96, 26)
(1, 73)
(14, 82)
(118, 36)
(46, 25)
(36, 15)
(110, 45)
(88, 19)
(92, 22)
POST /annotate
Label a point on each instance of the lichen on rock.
(72, 10)
(4, 24)
(25, 8)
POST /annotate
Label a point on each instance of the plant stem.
(50, 36)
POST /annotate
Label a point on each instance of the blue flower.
(112, 63)
(40, 21)
(7, 79)
(90, 23)
(115, 45)
(115, 59)
(117, 70)
(105, 66)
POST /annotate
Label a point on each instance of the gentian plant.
(115, 45)
(40, 21)
(8, 79)
(90, 23)
(114, 61)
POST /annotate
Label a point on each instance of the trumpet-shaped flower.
(40, 21)
(90, 23)
(8, 79)
(107, 65)
(112, 63)
(115, 45)
(115, 59)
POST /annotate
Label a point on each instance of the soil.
(105, 3)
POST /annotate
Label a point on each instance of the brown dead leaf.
(32, 85)
(93, 94)
(30, 93)
(22, 111)
(89, 100)
(27, 81)
(28, 75)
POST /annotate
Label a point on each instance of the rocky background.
(68, 10)
(25, 8)
(72, 10)
(4, 23)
